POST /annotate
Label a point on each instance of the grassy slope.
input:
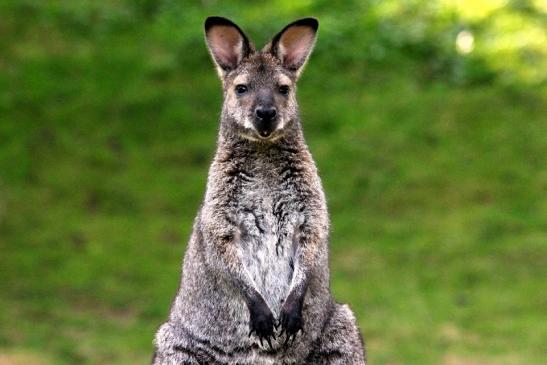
(437, 194)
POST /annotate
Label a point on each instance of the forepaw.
(262, 322)
(291, 321)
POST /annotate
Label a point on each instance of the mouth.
(265, 129)
(264, 134)
(259, 131)
(255, 135)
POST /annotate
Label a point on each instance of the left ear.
(293, 45)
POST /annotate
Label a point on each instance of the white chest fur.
(267, 249)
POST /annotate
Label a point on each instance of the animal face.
(260, 86)
(260, 97)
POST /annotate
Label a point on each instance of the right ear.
(227, 43)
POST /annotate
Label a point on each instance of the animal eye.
(284, 89)
(241, 89)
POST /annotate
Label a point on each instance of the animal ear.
(227, 43)
(293, 45)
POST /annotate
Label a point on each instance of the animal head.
(260, 86)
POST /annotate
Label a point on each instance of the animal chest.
(268, 217)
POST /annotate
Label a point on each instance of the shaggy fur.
(255, 278)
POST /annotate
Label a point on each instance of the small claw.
(293, 338)
(287, 340)
(269, 342)
(251, 333)
(261, 345)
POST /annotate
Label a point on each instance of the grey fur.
(257, 259)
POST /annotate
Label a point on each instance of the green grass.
(108, 117)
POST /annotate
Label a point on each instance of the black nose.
(265, 114)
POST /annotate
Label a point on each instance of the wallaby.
(255, 279)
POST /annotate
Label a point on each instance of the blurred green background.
(427, 119)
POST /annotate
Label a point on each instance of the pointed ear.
(227, 43)
(293, 45)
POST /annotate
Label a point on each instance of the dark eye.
(241, 89)
(284, 89)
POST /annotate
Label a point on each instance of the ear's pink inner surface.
(226, 43)
(296, 43)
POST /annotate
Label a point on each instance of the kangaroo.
(255, 278)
